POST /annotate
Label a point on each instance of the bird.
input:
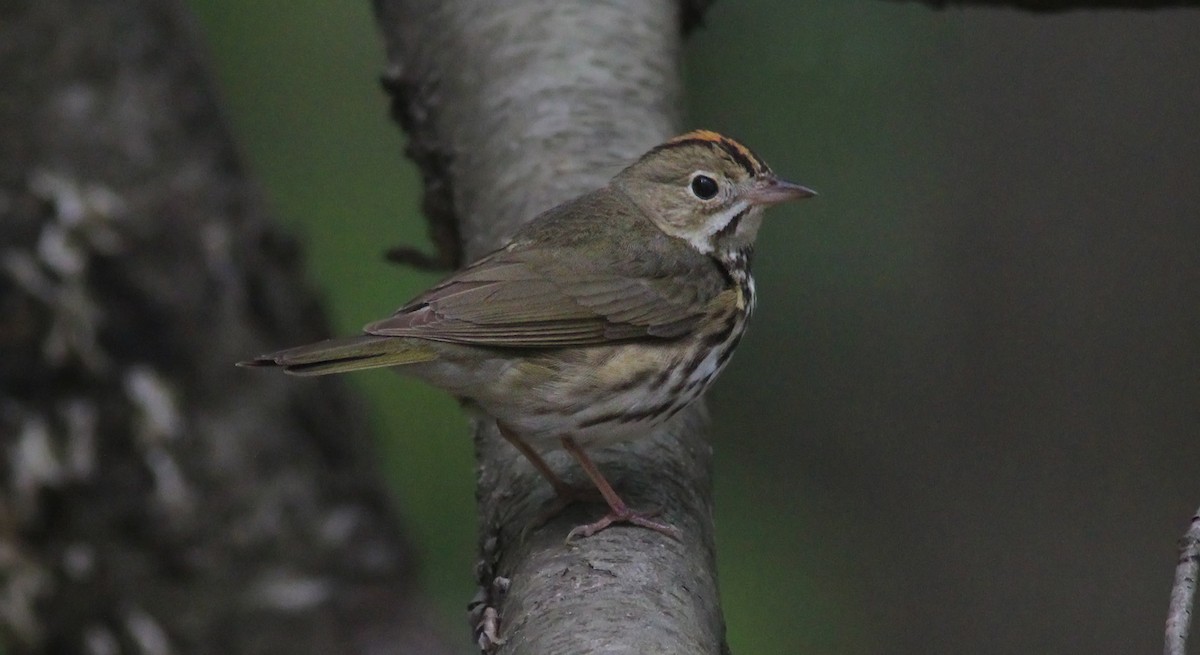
(600, 319)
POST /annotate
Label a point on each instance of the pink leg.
(564, 490)
(619, 512)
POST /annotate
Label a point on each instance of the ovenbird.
(600, 319)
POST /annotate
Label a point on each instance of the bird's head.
(706, 189)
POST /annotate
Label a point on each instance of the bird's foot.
(625, 515)
(618, 512)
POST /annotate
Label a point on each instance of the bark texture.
(522, 105)
(154, 498)
(1183, 592)
(1048, 6)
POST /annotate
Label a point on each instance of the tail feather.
(344, 355)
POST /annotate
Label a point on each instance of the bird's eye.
(704, 187)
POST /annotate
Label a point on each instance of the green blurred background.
(965, 418)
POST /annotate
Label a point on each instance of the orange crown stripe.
(700, 135)
(739, 152)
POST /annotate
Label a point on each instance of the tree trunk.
(1048, 6)
(156, 499)
(511, 108)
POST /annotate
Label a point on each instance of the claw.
(619, 511)
(567, 495)
(640, 519)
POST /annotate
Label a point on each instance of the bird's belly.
(598, 395)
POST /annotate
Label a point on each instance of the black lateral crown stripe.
(740, 154)
(743, 156)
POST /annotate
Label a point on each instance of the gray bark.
(1183, 591)
(154, 498)
(514, 107)
(1048, 6)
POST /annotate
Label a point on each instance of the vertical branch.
(522, 105)
(1183, 592)
(1049, 6)
(153, 498)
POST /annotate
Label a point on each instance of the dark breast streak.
(717, 347)
(702, 359)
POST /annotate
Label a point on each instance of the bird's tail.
(348, 354)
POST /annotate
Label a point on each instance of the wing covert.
(527, 300)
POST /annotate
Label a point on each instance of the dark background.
(966, 416)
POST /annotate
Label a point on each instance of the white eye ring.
(704, 185)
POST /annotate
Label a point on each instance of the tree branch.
(154, 498)
(1183, 592)
(528, 104)
(1050, 6)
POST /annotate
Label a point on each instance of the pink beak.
(770, 190)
